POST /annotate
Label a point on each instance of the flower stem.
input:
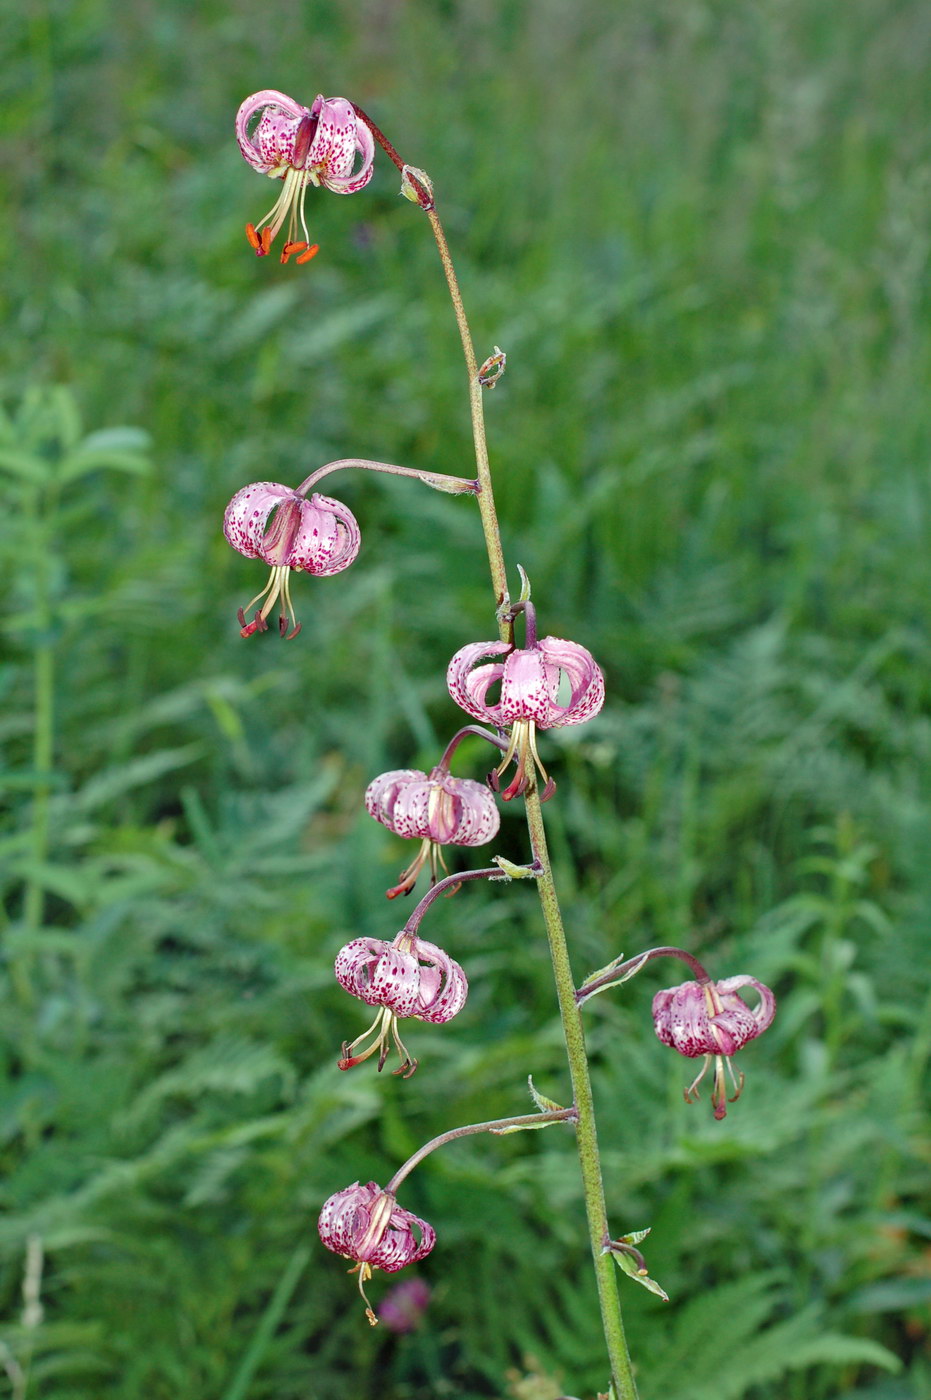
(452, 485)
(449, 882)
(586, 1136)
(486, 499)
(622, 1377)
(495, 1125)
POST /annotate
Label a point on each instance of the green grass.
(700, 231)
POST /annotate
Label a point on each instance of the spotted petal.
(586, 681)
(366, 1224)
(247, 515)
(339, 136)
(328, 538)
(272, 143)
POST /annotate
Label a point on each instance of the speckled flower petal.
(528, 688)
(468, 686)
(411, 977)
(586, 681)
(271, 143)
(443, 987)
(380, 974)
(348, 1225)
(338, 138)
(382, 794)
(741, 1022)
(247, 515)
(328, 538)
(686, 1020)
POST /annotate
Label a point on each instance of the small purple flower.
(528, 697)
(318, 535)
(439, 809)
(403, 1306)
(710, 1019)
(366, 1224)
(302, 146)
(407, 977)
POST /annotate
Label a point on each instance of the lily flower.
(709, 1018)
(302, 146)
(366, 1224)
(439, 809)
(318, 535)
(407, 977)
(530, 680)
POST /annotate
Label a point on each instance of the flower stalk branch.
(452, 485)
(495, 1125)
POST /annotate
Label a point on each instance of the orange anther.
(266, 238)
(312, 252)
(290, 248)
(253, 237)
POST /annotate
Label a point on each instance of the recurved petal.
(680, 1016)
(398, 1246)
(246, 515)
(395, 982)
(345, 1216)
(276, 104)
(328, 538)
(474, 810)
(355, 963)
(761, 1015)
(586, 681)
(469, 687)
(529, 687)
(337, 139)
(382, 792)
(443, 984)
(411, 810)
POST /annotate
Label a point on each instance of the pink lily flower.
(439, 809)
(319, 536)
(527, 700)
(366, 1224)
(407, 977)
(710, 1019)
(302, 146)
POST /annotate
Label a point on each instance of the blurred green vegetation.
(701, 233)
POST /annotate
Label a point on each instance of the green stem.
(586, 1136)
(486, 499)
(589, 1159)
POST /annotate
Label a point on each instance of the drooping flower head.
(436, 807)
(318, 535)
(528, 699)
(302, 146)
(709, 1018)
(407, 977)
(366, 1224)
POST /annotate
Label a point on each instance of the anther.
(311, 252)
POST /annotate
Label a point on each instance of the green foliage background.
(701, 232)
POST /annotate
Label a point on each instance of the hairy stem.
(589, 1160)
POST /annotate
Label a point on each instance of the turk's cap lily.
(268, 521)
(302, 146)
(529, 682)
(439, 809)
(711, 1019)
(366, 1224)
(408, 977)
